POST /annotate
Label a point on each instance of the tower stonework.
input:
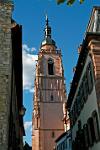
(5, 70)
(49, 95)
(11, 100)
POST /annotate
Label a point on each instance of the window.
(63, 145)
(73, 145)
(80, 137)
(90, 77)
(96, 126)
(85, 86)
(91, 131)
(81, 95)
(37, 122)
(50, 67)
(79, 124)
(53, 134)
(69, 143)
(75, 111)
(71, 118)
(76, 108)
(78, 103)
(86, 135)
(51, 97)
(58, 147)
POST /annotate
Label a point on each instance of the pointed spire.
(47, 28)
(47, 21)
(47, 37)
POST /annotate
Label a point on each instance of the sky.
(68, 28)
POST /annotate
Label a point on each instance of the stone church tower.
(49, 95)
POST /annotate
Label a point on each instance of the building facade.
(63, 142)
(11, 103)
(49, 95)
(84, 96)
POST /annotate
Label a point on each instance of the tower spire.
(47, 28)
(47, 37)
(47, 21)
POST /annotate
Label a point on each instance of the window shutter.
(86, 135)
(91, 131)
(90, 77)
(96, 125)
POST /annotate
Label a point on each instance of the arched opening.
(50, 67)
(51, 97)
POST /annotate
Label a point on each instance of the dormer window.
(50, 67)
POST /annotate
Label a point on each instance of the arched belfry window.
(50, 67)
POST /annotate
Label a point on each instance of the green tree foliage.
(69, 2)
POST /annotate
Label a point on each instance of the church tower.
(49, 95)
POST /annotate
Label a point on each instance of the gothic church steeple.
(49, 95)
(47, 38)
(47, 28)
